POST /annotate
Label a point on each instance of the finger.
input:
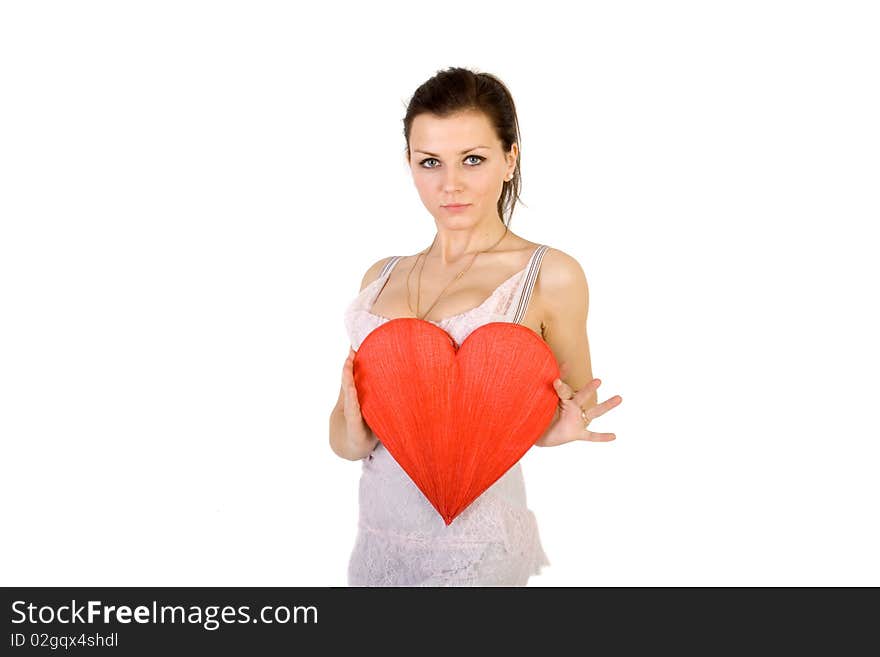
(564, 390)
(594, 437)
(351, 391)
(564, 370)
(348, 370)
(600, 409)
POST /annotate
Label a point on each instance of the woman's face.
(459, 160)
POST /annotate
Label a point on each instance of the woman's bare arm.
(562, 290)
(342, 441)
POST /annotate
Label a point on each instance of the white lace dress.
(402, 540)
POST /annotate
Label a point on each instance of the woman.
(462, 145)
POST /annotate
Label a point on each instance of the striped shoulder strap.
(389, 265)
(528, 284)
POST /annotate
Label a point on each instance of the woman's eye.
(479, 158)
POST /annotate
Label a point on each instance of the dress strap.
(383, 276)
(389, 265)
(524, 289)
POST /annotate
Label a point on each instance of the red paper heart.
(455, 418)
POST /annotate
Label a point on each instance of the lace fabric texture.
(401, 539)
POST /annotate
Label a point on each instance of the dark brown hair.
(459, 89)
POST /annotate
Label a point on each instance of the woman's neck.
(451, 246)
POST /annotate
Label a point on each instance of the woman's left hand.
(569, 424)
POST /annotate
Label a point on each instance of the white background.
(190, 193)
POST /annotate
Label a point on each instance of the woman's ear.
(511, 157)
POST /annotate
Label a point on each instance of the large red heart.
(455, 418)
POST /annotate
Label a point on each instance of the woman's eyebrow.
(462, 153)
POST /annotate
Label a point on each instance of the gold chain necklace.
(443, 291)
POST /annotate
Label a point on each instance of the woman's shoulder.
(560, 263)
(372, 273)
(561, 279)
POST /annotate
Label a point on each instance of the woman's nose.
(452, 182)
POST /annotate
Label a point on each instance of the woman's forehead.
(455, 134)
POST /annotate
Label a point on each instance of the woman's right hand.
(358, 430)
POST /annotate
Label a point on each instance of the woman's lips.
(456, 208)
